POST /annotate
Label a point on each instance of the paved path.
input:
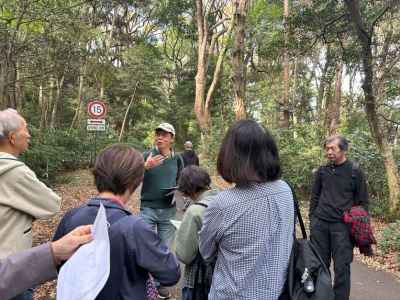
(369, 284)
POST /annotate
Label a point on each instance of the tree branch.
(380, 14)
(389, 120)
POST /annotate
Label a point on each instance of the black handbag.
(204, 273)
(307, 275)
(203, 278)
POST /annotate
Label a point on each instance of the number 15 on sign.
(96, 109)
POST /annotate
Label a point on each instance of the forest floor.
(79, 188)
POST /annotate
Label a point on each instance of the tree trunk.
(19, 93)
(12, 99)
(102, 89)
(238, 66)
(285, 113)
(364, 36)
(328, 100)
(78, 109)
(127, 112)
(335, 105)
(43, 104)
(324, 88)
(217, 70)
(200, 79)
(350, 97)
(3, 83)
(60, 84)
(5, 73)
(50, 101)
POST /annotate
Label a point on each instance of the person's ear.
(12, 136)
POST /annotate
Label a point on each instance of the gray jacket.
(187, 237)
(26, 269)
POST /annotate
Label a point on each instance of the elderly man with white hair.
(189, 156)
(23, 198)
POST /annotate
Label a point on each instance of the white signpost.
(97, 111)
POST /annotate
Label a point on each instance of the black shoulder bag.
(307, 276)
(204, 273)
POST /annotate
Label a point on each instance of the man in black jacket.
(338, 186)
(189, 156)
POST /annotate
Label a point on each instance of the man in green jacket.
(162, 168)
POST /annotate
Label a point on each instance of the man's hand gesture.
(153, 161)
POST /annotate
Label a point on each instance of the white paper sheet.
(176, 223)
(84, 275)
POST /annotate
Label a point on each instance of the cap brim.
(166, 130)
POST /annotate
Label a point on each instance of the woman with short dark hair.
(135, 249)
(250, 226)
(194, 182)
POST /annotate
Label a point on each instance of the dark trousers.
(27, 295)
(332, 240)
(187, 293)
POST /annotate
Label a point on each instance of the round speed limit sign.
(96, 109)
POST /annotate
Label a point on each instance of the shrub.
(390, 238)
(61, 150)
(300, 155)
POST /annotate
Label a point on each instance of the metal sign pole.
(95, 146)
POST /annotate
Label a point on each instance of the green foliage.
(390, 238)
(62, 150)
(147, 51)
(364, 151)
(57, 151)
(300, 155)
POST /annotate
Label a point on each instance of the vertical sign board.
(97, 111)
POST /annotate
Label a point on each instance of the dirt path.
(366, 282)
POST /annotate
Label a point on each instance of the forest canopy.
(304, 69)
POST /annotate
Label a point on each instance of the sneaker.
(163, 292)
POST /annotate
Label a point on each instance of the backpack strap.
(146, 155)
(298, 213)
(200, 204)
(181, 165)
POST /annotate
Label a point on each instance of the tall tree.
(206, 33)
(335, 105)
(364, 33)
(241, 8)
(285, 114)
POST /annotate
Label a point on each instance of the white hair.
(10, 120)
(188, 145)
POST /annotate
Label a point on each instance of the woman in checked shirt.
(250, 226)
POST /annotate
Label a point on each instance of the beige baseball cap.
(166, 127)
